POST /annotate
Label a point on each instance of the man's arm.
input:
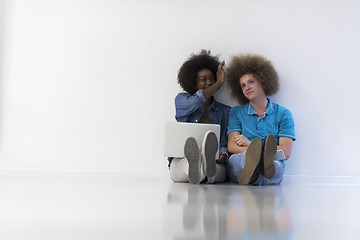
(233, 146)
(285, 144)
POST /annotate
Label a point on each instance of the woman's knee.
(177, 171)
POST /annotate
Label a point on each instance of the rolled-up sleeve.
(234, 123)
(186, 104)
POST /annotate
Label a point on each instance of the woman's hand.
(220, 73)
(241, 141)
(222, 158)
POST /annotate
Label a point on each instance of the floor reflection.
(226, 212)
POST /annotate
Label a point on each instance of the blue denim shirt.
(190, 108)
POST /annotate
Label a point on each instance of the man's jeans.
(236, 163)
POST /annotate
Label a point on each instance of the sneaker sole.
(252, 159)
(209, 149)
(270, 149)
(192, 154)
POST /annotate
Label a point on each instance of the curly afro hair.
(260, 67)
(188, 72)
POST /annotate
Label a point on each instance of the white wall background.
(88, 84)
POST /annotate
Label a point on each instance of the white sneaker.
(209, 149)
(193, 156)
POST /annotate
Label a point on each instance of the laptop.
(176, 134)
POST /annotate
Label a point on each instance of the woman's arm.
(208, 92)
(186, 104)
(285, 144)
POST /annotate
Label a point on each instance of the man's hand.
(241, 141)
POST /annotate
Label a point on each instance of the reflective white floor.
(118, 206)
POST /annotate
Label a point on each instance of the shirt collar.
(268, 111)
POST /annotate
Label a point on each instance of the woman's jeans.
(236, 163)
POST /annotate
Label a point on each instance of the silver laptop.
(176, 134)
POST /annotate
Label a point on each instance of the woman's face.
(205, 79)
(251, 87)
